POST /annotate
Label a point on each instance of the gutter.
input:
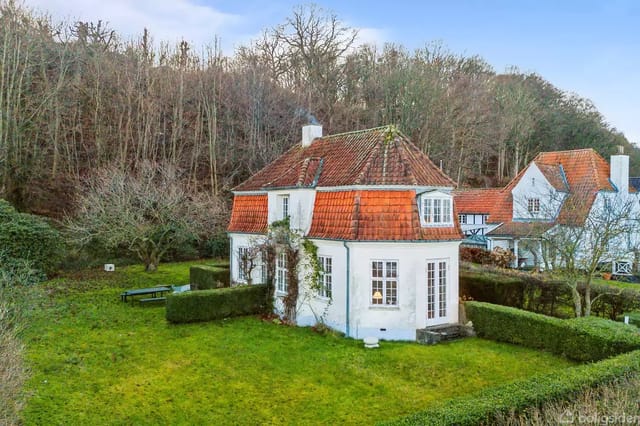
(344, 243)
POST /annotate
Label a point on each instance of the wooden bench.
(152, 299)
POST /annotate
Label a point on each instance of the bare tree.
(591, 229)
(147, 213)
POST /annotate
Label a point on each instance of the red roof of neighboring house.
(249, 214)
(554, 175)
(373, 215)
(495, 202)
(582, 167)
(583, 170)
(380, 156)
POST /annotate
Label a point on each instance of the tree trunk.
(577, 301)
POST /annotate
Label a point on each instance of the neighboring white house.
(380, 213)
(560, 188)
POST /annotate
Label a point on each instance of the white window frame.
(462, 218)
(282, 273)
(283, 206)
(325, 280)
(437, 281)
(533, 205)
(388, 283)
(241, 275)
(436, 209)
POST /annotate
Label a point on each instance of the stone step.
(441, 333)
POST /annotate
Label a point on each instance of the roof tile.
(373, 215)
(380, 156)
(249, 214)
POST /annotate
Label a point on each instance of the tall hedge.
(580, 339)
(25, 237)
(547, 297)
(204, 277)
(485, 406)
(207, 305)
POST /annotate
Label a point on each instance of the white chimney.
(309, 133)
(620, 172)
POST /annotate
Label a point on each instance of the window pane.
(376, 287)
(376, 269)
(426, 210)
(392, 270)
(437, 218)
(446, 211)
(392, 293)
(442, 289)
(431, 291)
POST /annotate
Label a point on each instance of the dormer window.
(436, 209)
(533, 205)
(283, 206)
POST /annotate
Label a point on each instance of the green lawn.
(95, 360)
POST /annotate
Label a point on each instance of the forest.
(78, 101)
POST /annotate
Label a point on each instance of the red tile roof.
(249, 214)
(585, 172)
(555, 175)
(373, 215)
(495, 202)
(380, 156)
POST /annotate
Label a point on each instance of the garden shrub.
(203, 277)
(476, 255)
(215, 304)
(485, 406)
(217, 246)
(580, 339)
(27, 237)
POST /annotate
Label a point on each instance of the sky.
(588, 47)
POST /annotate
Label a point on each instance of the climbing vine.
(299, 252)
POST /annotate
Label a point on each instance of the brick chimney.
(619, 173)
(309, 133)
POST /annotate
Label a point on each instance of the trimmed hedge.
(203, 277)
(484, 406)
(580, 339)
(207, 305)
(548, 297)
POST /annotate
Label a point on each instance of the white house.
(559, 188)
(381, 215)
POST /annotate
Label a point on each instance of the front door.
(437, 280)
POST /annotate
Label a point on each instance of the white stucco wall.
(243, 240)
(399, 322)
(300, 207)
(534, 184)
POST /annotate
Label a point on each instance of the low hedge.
(485, 406)
(207, 305)
(580, 339)
(203, 277)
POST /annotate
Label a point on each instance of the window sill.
(437, 225)
(384, 307)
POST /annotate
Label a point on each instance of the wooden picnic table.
(157, 293)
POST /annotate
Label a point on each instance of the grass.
(615, 403)
(95, 360)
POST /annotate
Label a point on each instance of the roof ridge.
(353, 132)
(565, 150)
